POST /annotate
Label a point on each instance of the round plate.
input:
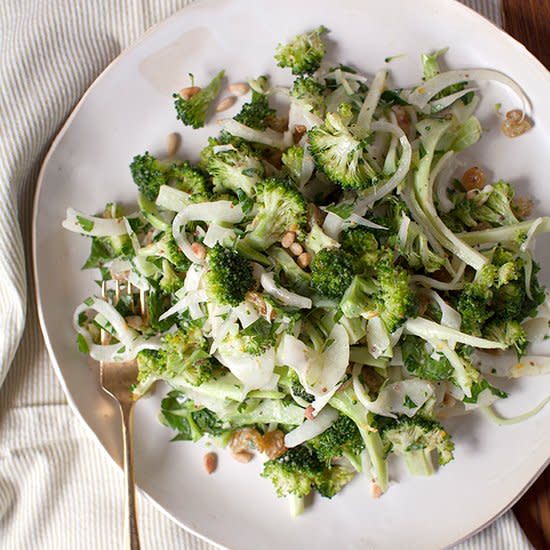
(129, 110)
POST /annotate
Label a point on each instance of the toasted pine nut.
(226, 103)
(308, 413)
(239, 88)
(304, 259)
(288, 238)
(172, 143)
(296, 249)
(243, 456)
(210, 462)
(134, 321)
(375, 490)
(299, 131)
(189, 92)
(199, 250)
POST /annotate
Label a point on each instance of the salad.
(320, 289)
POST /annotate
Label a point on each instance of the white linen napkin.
(57, 489)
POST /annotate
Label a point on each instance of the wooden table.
(529, 22)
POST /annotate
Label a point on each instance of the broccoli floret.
(397, 300)
(281, 208)
(167, 248)
(338, 153)
(296, 388)
(254, 114)
(474, 301)
(388, 295)
(229, 275)
(362, 246)
(331, 272)
(341, 439)
(304, 53)
(415, 439)
(359, 298)
(292, 159)
(295, 472)
(492, 205)
(184, 354)
(510, 333)
(309, 93)
(497, 209)
(255, 339)
(186, 178)
(149, 174)
(235, 170)
(192, 111)
(333, 480)
(422, 363)
(170, 281)
(190, 421)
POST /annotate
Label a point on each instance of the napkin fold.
(58, 490)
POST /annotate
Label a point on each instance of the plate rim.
(467, 11)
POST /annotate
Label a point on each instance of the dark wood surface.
(529, 22)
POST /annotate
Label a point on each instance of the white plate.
(129, 110)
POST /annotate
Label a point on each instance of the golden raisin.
(473, 178)
(515, 124)
(242, 439)
(274, 444)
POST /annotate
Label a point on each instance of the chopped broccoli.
(229, 275)
(510, 333)
(149, 174)
(296, 388)
(493, 205)
(415, 439)
(255, 339)
(339, 154)
(295, 472)
(186, 178)
(192, 111)
(292, 159)
(362, 247)
(166, 247)
(331, 272)
(425, 365)
(235, 170)
(254, 114)
(396, 299)
(341, 439)
(332, 480)
(185, 354)
(170, 281)
(304, 53)
(281, 208)
(317, 239)
(309, 93)
(388, 295)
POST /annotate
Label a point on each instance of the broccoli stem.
(252, 254)
(419, 463)
(375, 449)
(296, 505)
(506, 233)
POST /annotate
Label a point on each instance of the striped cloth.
(57, 490)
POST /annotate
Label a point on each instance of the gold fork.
(117, 380)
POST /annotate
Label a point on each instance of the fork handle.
(131, 535)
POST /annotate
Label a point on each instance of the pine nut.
(239, 88)
(375, 490)
(210, 462)
(243, 456)
(172, 143)
(304, 259)
(288, 238)
(296, 249)
(199, 250)
(226, 103)
(189, 92)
